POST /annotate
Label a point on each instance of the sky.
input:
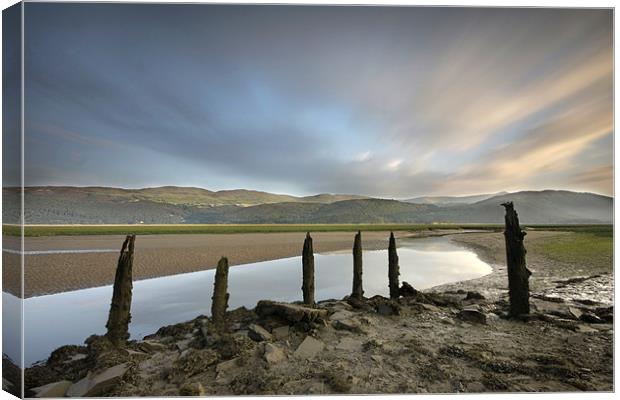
(383, 101)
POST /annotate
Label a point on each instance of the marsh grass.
(591, 247)
(57, 230)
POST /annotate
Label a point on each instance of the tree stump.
(120, 308)
(518, 274)
(220, 297)
(358, 292)
(393, 268)
(307, 261)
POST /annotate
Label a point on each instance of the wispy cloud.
(391, 102)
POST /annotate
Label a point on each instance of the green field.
(57, 230)
(590, 247)
(605, 231)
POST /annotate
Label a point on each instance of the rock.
(585, 329)
(472, 315)
(587, 302)
(603, 327)
(134, 353)
(75, 357)
(347, 325)
(575, 312)
(337, 305)
(94, 385)
(309, 348)
(258, 333)
(151, 346)
(406, 290)
(446, 299)
(192, 389)
(225, 371)
(290, 312)
(56, 389)
(226, 366)
(387, 309)
(474, 296)
(273, 354)
(241, 333)
(605, 313)
(183, 345)
(428, 307)
(349, 344)
(345, 320)
(280, 332)
(553, 299)
(591, 318)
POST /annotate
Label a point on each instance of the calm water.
(69, 318)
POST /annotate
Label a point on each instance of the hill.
(96, 205)
(452, 200)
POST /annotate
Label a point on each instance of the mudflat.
(156, 256)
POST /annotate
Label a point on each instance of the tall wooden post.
(307, 261)
(358, 291)
(393, 268)
(220, 297)
(120, 308)
(518, 274)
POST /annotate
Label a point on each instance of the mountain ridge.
(168, 205)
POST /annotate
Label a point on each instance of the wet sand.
(156, 256)
(547, 273)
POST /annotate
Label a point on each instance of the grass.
(58, 230)
(590, 247)
(598, 231)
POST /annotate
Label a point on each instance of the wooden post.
(120, 308)
(220, 297)
(518, 274)
(393, 268)
(358, 292)
(307, 261)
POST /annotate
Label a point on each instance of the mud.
(454, 338)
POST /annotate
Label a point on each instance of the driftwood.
(290, 312)
(220, 297)
(307, 260)
(393, 268)
(120, 308)
(518, 274)
(358, 291)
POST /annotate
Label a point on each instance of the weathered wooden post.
(307, 261)
(220, 297)
(358, 291)
(518, 274)
(393, 268)
(120, 308)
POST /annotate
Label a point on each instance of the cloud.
(599, 179)
(548, 148)
(391, 102)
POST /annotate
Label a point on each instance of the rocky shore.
(453, 338)
(421, 343)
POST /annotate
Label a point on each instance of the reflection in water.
(11, 309)
(69, 318)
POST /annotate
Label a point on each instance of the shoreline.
(166, 255)
(547, 276)
(449, 338)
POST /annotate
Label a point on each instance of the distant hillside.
(452, 200)
(543, 207)
(46, 205)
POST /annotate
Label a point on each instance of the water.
(69, 318)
